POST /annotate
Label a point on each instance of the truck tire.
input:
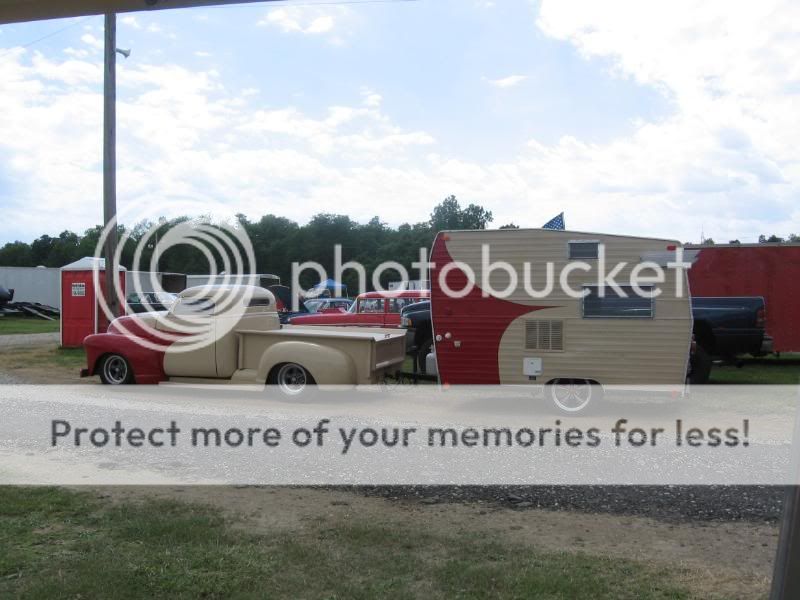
(572, 396)
(701, 366)
(115, 369)
(291, 379)
(422, 352)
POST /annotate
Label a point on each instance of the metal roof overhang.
(16, 11)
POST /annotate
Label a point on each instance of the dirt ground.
(728, 560)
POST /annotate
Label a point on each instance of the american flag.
(555, 222)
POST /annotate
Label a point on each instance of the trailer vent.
(544, 335)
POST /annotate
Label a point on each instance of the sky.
(667, 119)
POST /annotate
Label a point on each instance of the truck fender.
(326, 365)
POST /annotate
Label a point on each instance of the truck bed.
(372, 351)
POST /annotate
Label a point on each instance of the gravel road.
(757, 504)
(753, 504)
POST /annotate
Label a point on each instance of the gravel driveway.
(756, 504)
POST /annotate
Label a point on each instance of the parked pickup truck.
(245, 346)
(372, 309)
(729, 326)
(723, 328)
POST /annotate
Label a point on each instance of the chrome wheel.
(292, 379)
(571, 395)
(116, 370)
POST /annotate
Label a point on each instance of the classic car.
(372, 309)
(247, 345)
(323, 305)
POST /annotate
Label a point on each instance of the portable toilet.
(81, 313)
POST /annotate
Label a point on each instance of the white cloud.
(371, 98)
(130, 21)
(726, 157)
(306, 19)
(90, 40)
(202, 54)
(507, 82)
(76, 52)
(320, 25)
(181, 137)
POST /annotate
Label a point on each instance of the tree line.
(792, 238)
(277, 243)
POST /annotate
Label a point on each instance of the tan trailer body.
(519, 339)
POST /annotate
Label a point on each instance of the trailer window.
(581, 249)
(613, 305)
(544, 335)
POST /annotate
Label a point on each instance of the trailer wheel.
(115, 370)
(572, 396)
(700, 363)
(292, 379)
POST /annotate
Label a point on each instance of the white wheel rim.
(115, 370)
(571, 396)
(292, 379)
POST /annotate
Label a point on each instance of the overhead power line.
(51, 34)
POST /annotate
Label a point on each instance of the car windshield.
(313, 306)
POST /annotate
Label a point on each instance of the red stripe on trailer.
(476, 322)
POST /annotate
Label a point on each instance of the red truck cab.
(372, 309)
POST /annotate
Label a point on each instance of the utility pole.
(110, 159)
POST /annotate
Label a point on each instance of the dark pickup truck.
(723, 328)
(728, 327)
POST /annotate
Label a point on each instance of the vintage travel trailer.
(569, 343)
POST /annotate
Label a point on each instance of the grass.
(13, 325)
(43, 357)
(767, 370)
(43, 364)
(58, 543)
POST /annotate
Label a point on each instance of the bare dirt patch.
(731, 560)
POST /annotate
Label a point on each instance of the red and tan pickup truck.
(372, 309)
(232, 334)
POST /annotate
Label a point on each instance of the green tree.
(16, 254)
(449, 215)
(773, 239)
